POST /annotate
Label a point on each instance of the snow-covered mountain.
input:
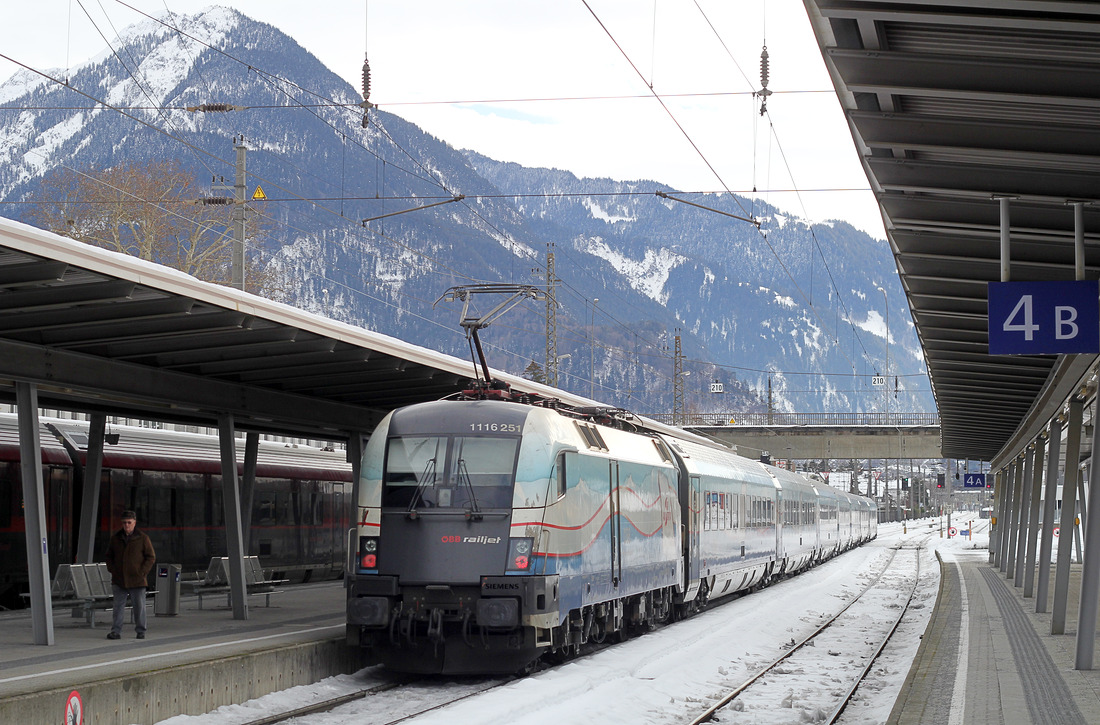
(777, 304)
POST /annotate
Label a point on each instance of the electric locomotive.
(493, 532)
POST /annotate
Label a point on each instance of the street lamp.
(558, 361)
(897, 498)
(886, 372)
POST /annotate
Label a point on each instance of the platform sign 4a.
(1044, 318)
(974, 480)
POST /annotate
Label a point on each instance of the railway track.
(390, 702)
(851, 640)
(401, 700)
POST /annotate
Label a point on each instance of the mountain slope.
(752, 307)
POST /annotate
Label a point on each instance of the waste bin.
(166, 601)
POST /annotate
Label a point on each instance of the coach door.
(338, 524)
(695, 511)
(615, 525)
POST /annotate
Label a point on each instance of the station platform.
(987, 657)
(192, 662)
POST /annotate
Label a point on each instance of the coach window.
(264, 512)
(215, 512)
(190, 500)
(10, 482)
(160, 501)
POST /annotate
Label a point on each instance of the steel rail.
(710, 712)
(334, 702)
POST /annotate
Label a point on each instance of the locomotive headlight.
(502, 612)
(369, 611)
(519, 554)
(368, 552)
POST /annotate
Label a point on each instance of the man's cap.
(129, 516)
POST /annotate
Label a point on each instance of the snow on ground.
(665, 675)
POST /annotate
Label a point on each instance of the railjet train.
(301, 504)
(492, 533)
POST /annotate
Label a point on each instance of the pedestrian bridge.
(801, 436)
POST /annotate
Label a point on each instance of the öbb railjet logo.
(470, 539)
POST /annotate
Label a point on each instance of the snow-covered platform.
(192, 662)
(987, 657)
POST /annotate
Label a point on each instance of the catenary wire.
(713, 170)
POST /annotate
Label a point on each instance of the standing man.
(130, 557)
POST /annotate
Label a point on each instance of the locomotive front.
(440, 583)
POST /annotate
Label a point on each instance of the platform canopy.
(98, 331)
(953, 105)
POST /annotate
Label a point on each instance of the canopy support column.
(1069, 513)
(355, 458)
(1012, 488)
(1090, 572)
(1033, 516)
(89, 498)
(1050, 504)
(34, 513)
(995, 523)
(231, 500)
(1024, 510)
(248, 486)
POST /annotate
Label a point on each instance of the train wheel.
(564, 654)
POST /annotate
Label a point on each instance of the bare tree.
(148, 211)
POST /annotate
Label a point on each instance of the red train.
(300, 513)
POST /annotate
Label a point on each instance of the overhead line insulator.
(763, 93)
(216, 108)
(366, 104)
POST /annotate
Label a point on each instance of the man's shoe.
(114, 635)
(141, 635)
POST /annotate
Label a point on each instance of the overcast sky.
(510, 65)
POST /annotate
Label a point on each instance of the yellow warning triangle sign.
(259, 194)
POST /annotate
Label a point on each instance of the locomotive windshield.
(449, 472)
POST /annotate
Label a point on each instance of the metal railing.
(797, 419)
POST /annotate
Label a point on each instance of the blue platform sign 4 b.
(1044, 318)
